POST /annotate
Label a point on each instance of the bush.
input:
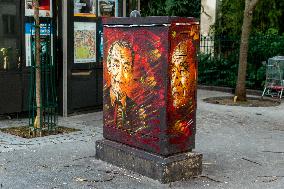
(217, 71)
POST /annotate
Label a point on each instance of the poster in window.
(45, 39)
(85, 8)
(84, 42)
(108, 8)
(45, 9)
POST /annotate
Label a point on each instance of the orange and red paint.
(150, 78)
(182, 73)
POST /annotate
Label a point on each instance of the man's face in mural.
(119, 66)
(180, 75)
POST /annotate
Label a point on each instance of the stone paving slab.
(241, 147)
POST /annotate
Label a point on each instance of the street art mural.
(150, 87)
(182, 74)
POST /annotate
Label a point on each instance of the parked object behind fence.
(274, 84)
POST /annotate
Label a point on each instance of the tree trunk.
(246, 28)
(38, 119)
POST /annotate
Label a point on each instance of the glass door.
(10, 56)
(9, 35)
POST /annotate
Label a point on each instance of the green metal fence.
(48, 105)
(219, 56)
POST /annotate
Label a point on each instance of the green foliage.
(220, 69)
(217, 70)
(153, 8)
(184, 8)
(268, 14)
(229, 20)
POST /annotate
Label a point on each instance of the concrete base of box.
(165, 169)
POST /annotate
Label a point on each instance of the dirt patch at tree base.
(251, 101)
(25, 131)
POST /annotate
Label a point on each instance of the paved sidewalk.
(243, 147)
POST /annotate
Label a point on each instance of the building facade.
(74, 31)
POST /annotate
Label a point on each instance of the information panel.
(84, 42)
(45, 39)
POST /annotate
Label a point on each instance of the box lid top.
(157, 20)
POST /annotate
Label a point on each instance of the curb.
(229, 90)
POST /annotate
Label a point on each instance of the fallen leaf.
(78, 179)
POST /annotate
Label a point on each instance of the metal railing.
(48, 106)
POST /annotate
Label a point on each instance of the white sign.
(45, 8)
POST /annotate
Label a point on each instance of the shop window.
(108, 8)
(85, 8)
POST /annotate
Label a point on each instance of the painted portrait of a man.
(180, 74)
(120, 110)
(182, 90)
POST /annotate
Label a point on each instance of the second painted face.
(180, 75)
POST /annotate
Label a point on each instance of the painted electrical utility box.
(150, 79)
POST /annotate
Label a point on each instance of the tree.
(229, 19)
(246, 29)
(38, 119)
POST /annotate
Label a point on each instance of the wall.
(208, 15)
